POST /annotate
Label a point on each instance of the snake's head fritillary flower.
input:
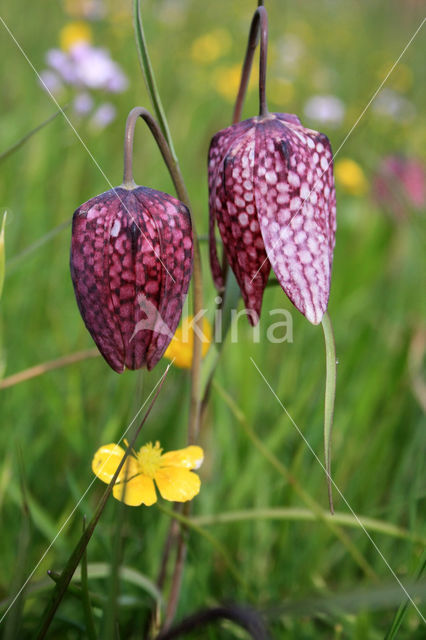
(131, 264)
(271, 191)
(143, 469)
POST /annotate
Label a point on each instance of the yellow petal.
(138, 490)
(177, 484)
(106, 461)
(182, 344)
(188, 458)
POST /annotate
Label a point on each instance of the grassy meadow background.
(310, 578)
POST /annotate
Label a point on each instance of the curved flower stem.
(330, 394)
(182, 193)
(229, 297)
(259, 23)
(163, 145)
(195, 403)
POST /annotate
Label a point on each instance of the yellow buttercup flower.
(74, 33)
(350, 176)
(182, 344)
(171, 472)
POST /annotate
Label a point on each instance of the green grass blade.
(402, 610)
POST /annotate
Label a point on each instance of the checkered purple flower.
(271, 192)
(131, 264)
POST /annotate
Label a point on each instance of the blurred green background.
(297, 570)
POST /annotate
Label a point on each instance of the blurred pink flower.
(400, 185)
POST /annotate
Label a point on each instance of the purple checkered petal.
(295, 200)
(272, 194)
(219, 147)
(129, 289)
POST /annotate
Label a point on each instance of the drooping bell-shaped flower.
(131, 264)
(271, 191)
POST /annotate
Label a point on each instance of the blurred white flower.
(392, 104)
(103, 116)
(326, 109)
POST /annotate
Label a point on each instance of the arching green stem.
(330, 394)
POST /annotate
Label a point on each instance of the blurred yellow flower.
(74, 33)
(211, 46)
(182, 344)
(226, 81)
(350, 176)
(170, 471)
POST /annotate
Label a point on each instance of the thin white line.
(341, 495)
(82, 142)
(75, 508)
(347, 136)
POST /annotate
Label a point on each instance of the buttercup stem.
(330, 394)
(259, 23)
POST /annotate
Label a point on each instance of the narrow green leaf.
(148, 74)
(403, 608)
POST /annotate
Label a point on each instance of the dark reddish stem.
(259, 23)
